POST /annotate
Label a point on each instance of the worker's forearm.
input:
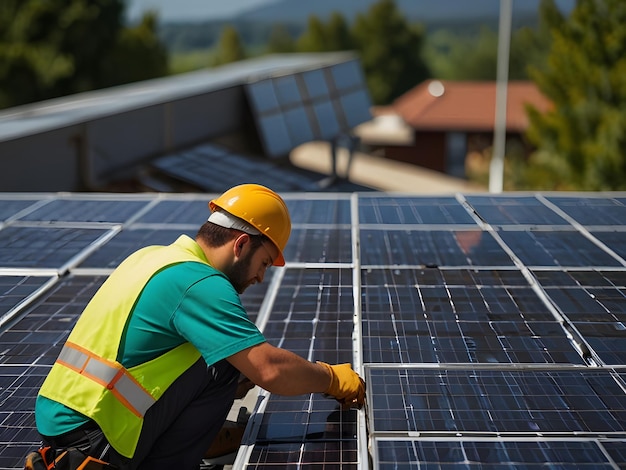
(295, 376)
(280, 371)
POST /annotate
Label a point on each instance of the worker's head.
(249, 214)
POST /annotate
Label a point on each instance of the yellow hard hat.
(260, 207)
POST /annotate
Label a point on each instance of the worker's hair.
(215, 235)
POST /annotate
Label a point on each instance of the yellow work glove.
(345, 385)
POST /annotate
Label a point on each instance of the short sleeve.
(212, 318)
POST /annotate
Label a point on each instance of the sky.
(177, 10)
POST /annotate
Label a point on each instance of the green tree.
(280, 40)
(58, 47)
(582, 141)
(390, 50)
(339, 37)
(314, 38)
(230, 47)
(334, 35)
(474, 56)
(137, 54)
(531, 46)
(471, 57)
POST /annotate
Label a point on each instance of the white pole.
(496, 168)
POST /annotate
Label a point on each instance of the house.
(438, 124)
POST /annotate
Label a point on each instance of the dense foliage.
(582, 141)
(60, 47)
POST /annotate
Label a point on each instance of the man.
(150, 370)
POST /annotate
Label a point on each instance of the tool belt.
(46, 458)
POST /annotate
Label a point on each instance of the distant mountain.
(415, 10)
(255, 18)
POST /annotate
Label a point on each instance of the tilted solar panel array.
(323, 104)
(491, 330)
(318, 104)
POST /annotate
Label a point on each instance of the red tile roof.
(466, 106)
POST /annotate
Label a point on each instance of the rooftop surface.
(489, 328)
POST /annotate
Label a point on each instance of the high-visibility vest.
(87, 377)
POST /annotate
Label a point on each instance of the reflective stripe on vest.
(111, 375)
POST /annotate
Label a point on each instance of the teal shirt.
(187, 302)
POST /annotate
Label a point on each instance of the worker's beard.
(238, 273)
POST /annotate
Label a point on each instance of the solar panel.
(11, 208)
(494, 401)
(557, 248)
(318, 104)
(86, 210)
(17, 290)
(490, 329)
(592, 210)
(44, 247)
(30, 347)
(431, 248)
(412, 210)
(215, 169)
(413, 454)
(519, 210)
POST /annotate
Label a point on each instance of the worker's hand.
(345, 385)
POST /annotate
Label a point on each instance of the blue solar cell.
(616, 241)
(315, 84)
(287, 91)
(556, 248)
(592, 210)
(320, 211)
(298, 125)
(431, 248)
(356, 108)
(177, 212)
(263, 96)
(319, 245)
(617, 451)
(326, 119)
(590, 304)
(521, 455)
(514, 210)
(347, 75)
(16, 289)
(275, 134)
(76, 210)
(10, 208)
(488, 401)
(412, 210)
(44, 247)
(591, 278)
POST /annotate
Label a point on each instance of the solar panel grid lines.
(497, 402)
(496, 453)
(580, 343)
(12, 208)
(311, 315)
(17, 291)
(471, 359)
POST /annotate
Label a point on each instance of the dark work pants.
(180, 426)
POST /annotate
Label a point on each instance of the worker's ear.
(240, 242)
